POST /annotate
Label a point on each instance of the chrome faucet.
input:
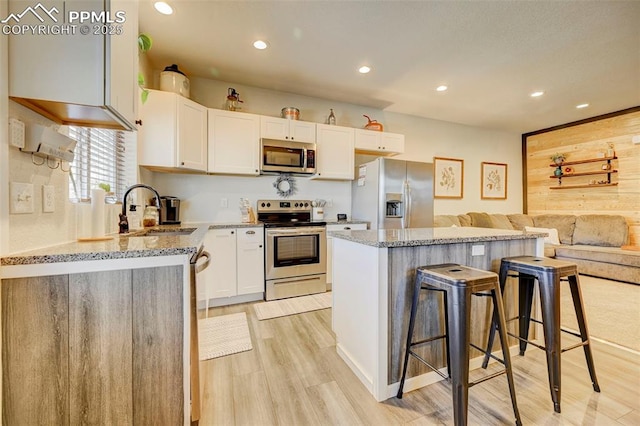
(124, 223)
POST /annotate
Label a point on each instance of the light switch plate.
(48, 198)
(21, 198)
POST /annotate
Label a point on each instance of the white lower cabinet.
(237, 264)
(250, 260)
(338, 227)
(221, 275)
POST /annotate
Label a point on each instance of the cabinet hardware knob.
(260, 246)
(182, 163)
(139, 122)
(232, 232)
(347, 227)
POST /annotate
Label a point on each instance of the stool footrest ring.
(487, 377)
(500, 360)
(425, 362)
(428, 340)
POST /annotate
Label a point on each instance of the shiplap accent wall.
(581, 142)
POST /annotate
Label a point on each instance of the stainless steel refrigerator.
(393, 194)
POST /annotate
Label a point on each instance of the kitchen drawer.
(347, 227)
(250, 235)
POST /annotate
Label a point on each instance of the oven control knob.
(296, 204)
(262, 205)
(268, 204)
(306, 204)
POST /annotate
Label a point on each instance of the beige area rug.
(292, 306)
(612, 310)
(223, 335)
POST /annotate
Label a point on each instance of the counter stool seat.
(549, 273)
(458, 284)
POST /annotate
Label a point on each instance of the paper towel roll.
(97, 212)
(83, 220)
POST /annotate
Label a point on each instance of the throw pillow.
(601, 230)
(500, 221)
(552, 238)
(563, 223)
(519, 221)
(480, 220)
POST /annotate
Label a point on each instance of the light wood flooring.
(293, 376)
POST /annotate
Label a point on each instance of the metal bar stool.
(548, 272)
(458, 284)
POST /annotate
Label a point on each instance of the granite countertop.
(345, 222)
(132, 245)
(431, 236)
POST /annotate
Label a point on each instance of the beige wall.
(425, 138)
(583, 142)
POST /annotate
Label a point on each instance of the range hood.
(74, 114)
(73, 78)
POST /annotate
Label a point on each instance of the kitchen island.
(373, 274)
(102, 332)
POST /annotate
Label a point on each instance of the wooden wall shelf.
(588, 160)
(599, 172)
(583, 186)
(607, 172)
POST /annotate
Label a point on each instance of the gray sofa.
(593, 242)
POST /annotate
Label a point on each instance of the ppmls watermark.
(69, 22)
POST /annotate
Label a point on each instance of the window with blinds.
(99, 158)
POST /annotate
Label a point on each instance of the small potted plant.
(558, 158)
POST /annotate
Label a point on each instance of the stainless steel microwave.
(287, 157)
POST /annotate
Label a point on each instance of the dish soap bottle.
(331, 120)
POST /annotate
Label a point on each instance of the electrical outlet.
(477, 250)
(224, 202)
(48, 198)
(16, 133)
(21, 198)
(329, 203)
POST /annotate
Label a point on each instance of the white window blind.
(99, 158)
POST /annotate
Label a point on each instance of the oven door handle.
(296, 280)
(299, 231)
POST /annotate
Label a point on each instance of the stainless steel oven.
(295, 249)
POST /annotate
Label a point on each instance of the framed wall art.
(494, 181)
(448, 177)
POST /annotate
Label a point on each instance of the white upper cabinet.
(286, 129)
(379, 142)
(234, 142)
(83, 79)
(335, 152)
(173, 133)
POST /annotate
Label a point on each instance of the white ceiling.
(491, 54)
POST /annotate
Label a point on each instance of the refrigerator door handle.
(404, 219)
(408, 207)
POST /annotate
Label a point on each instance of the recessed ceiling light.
(582, 106)
(537, 94)
(163, 8)
(364, 69)
(441, 88)
(260, 44)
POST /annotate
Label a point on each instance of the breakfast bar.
(373, 272)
